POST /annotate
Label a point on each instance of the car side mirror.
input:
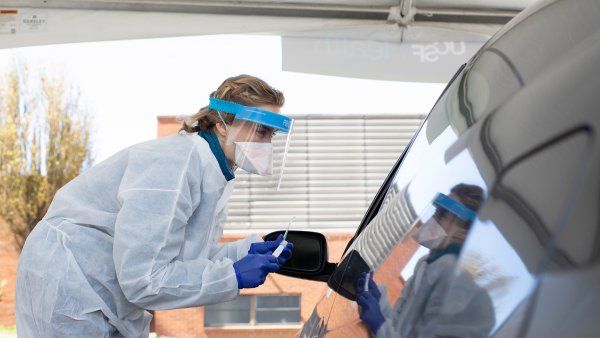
(343, 279)
(309, 256)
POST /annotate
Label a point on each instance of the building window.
(235, 312)
(254, 310)
(277, 309)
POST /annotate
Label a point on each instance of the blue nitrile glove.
(269, 246)
(265, 247)
(369, 311)
(285, 254)
(252, 270)
(373, 289)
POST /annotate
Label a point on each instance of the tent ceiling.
(65, 21)
(355, 31)
(481, 11)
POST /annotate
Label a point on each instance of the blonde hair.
(243, 89)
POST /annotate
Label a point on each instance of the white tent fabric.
(19, 28)
(412, 40)
(35, 22)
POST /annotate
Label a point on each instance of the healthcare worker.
(423, 309)
(140, 230)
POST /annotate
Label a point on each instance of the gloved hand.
(368, 302)
(285, 254)
(252, 270)
(265, 247)
(369, 311)
(373, 289)
(268, 247)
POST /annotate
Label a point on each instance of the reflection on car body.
(442, 229)
(518, 122)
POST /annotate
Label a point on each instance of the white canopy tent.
(352, 31)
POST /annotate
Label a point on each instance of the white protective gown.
(139, 231)
(438, 301)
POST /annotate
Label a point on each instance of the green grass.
(8, 329)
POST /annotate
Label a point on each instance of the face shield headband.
(276, 121)
(455, 207)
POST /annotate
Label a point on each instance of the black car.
(488, 224)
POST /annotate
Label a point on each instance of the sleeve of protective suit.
(384, 302)
(158, 193)
(457, 306)
(387, 330)
(234, 250)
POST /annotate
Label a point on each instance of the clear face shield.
(261, 139)
(444, 221)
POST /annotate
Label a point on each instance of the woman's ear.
(220, 129)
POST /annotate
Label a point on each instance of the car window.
(442, 272)
(414, 242)
(483, 85)
(539, 189)
(437, 177)
(568, 292)
(459, 247)
(488, 81)
(508, 246)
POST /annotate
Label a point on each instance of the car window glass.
(508, 245)
(481, 280)
(441, 273)
(540, 189)
(418, 219)
(414, 242)
(404, 205)
(566, 304)
(490, 264)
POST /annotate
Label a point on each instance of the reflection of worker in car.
(419, 312)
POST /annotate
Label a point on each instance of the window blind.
(335, 165)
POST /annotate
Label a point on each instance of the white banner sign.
(395, 61)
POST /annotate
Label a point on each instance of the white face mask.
(431, 234)
(255, 157)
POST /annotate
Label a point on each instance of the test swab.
(283, 243)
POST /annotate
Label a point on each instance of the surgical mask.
(431, 234)
(255, 157)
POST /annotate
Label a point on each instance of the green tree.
(44, 143)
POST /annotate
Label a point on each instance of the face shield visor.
(445, 220)
(261, 139)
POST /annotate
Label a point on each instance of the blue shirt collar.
(215, 147)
